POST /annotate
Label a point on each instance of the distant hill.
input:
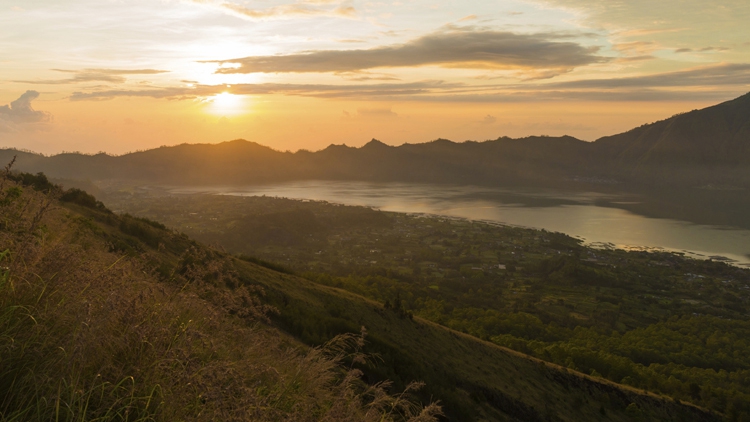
(709, 147)
(228, 162)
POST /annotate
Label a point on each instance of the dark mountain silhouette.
(228, 162)
(709, 147)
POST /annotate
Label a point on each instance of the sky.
(118, 76)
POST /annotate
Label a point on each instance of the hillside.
(176, 329)
(113, 318)
(702, 146)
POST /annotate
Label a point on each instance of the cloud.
(667, 20)
(94, 75)
(20, 112)
(376, 112)
(630, 59)
(363, 76)
(636, 47)
(454, 48)
(115, 71)
(395, 33)
(700, 50)
(369, 113)
(308, 90)
(709, 83)
(541, 96)
(635, 51)
(488, 120)
(709, 76)
(706, 83)
(303, 8)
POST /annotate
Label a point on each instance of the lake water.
(577, 214)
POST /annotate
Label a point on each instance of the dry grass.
(89, 335)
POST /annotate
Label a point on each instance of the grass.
(97, 324)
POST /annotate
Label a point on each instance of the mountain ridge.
(702, 147)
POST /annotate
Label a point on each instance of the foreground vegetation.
(652, 320)
(113, 318)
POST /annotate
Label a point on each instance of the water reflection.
(592, 216)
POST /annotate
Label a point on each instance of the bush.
(82, 198)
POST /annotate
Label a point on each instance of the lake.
(596, 218)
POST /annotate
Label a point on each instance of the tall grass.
(90, 335)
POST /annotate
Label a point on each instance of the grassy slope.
(89, 333)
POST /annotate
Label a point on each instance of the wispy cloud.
(363, 76)
(560, 96)
(630, 59)
(701, 50)
(369, 113)
(93, 75)
(702, 83)
(308, 90)
(488, 120)
(708, 76)
(393, 32)
(670, 23)
(453, 48)
(376, 112)
(468, 18)
(636, 47)
(302, 8)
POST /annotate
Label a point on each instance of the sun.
(226, 104)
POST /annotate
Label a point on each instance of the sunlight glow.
(226, 104)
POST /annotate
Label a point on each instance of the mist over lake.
(594, 217)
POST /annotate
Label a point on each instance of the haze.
(119, 76)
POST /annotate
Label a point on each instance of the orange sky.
(121, 76)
